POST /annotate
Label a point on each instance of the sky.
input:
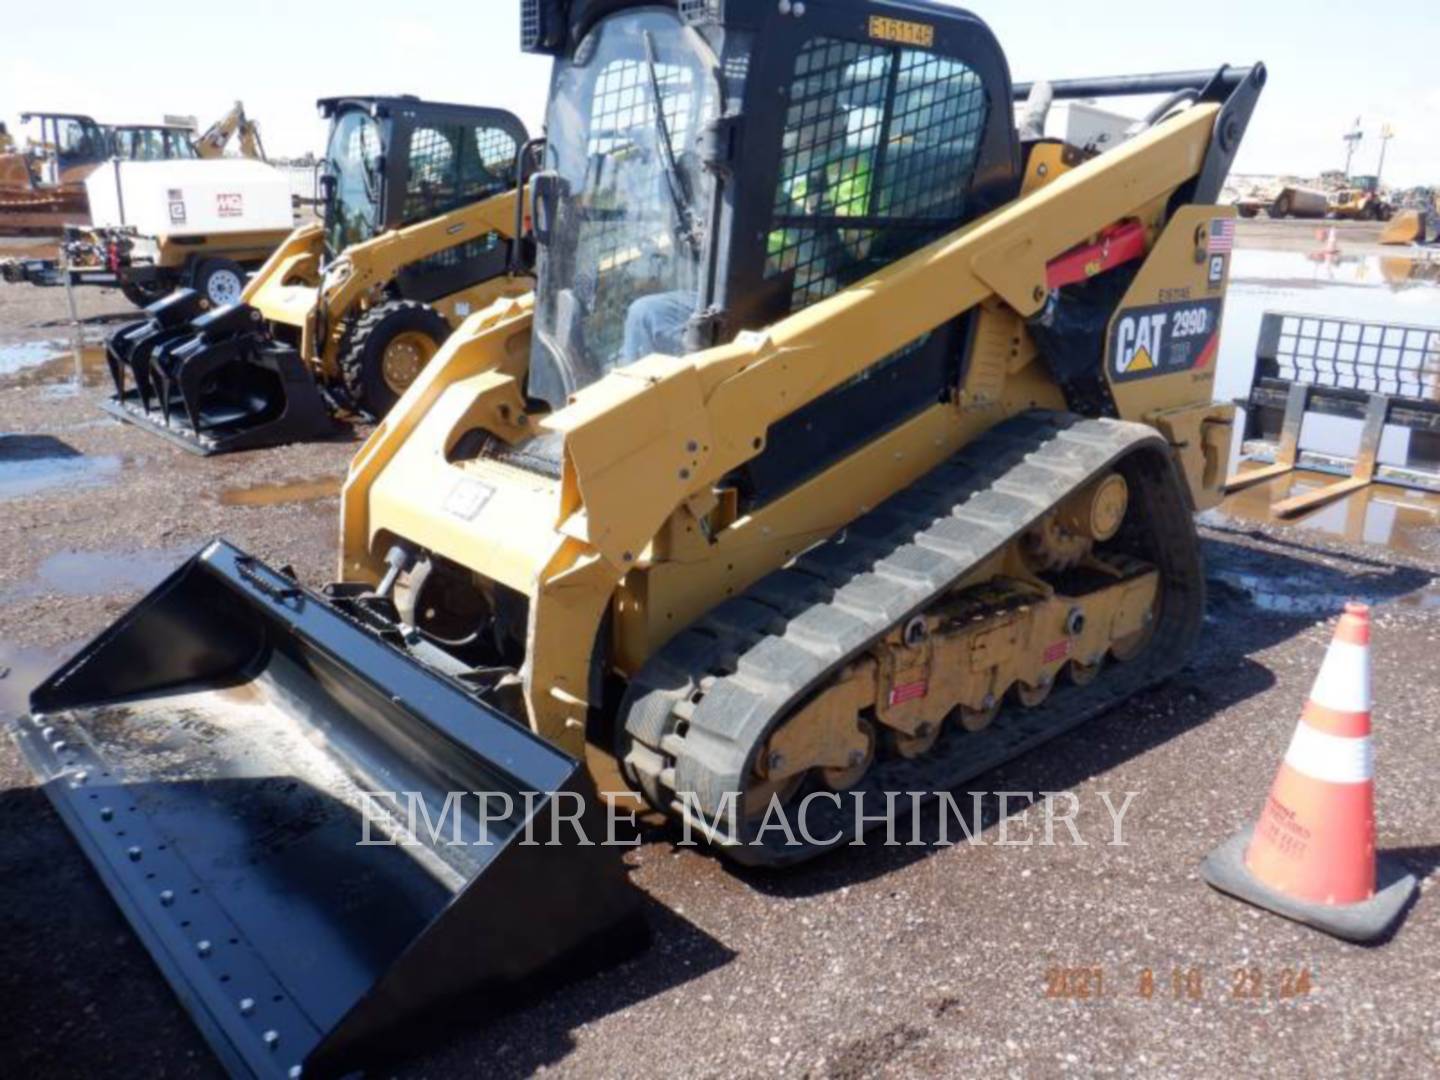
(139, 60)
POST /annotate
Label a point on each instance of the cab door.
(451, 162)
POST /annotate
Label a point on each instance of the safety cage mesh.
(880, 147)
(624, 221)
(529, 24)
(452, 165)
(1377, 358)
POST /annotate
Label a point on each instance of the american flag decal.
(1222, 236)
(913, 691)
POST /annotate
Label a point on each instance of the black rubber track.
(696, 714)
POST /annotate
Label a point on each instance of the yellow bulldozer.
(418, 231)
(42, 183)
(849, 443)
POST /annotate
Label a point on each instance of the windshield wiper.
(673, 180)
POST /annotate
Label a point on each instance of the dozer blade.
(222, 387)
(210, 751)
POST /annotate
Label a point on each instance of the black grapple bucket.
(128, 349)
(216, 384)
(211, 752)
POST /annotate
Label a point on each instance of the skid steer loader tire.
(385, 350)
(221, 281)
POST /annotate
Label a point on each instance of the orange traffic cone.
(1312, 855)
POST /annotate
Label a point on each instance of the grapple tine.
(224, 386)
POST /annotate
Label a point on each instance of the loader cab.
(152, 142)
(863, 130)
(393, 162)
(70, 146)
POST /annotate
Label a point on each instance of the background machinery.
(1361, 200)
(234, 124)
(42, 182)
(152, 142)
(161, 223)
(417, 233)
(845, 446)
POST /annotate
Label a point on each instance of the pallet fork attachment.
(1381, 374)
(211, 752)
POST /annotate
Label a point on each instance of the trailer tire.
(385, 349)
(221, 281)
(142, 296)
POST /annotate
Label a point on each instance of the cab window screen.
(453, 165)
(879, 150)
(628, 233)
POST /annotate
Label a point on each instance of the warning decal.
(1164, 339)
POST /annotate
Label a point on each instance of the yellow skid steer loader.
(419, 225)
(847, 445)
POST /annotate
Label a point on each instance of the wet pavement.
(293, 491)
(894, 962)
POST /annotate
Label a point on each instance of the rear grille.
(697, 12)
(529, 24)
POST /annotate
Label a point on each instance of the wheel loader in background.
(418, 231)
(844, 446)
(1361, 200)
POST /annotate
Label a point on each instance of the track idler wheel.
(976, 720)
(1084, 674)
(1032, 697)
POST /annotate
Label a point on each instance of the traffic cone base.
(1311, 857)
(1367, 920)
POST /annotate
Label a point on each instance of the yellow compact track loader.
(849, 444)
(419, 228)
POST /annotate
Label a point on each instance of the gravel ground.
(874, 962)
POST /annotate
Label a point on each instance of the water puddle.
(294, 491)
(1279, 594)
(97, 573)
(21, 670)
(24, 354)
(34, 464)
(1397, 289)
(1405, 522)
(51, 363)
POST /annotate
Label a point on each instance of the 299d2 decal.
(1164, 339)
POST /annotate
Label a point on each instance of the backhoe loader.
(848, 444)
(417, 233)
(212, 142)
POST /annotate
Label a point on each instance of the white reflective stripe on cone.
(1344, 680)
(1333, 759)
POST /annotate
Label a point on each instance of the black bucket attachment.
(214, 382)
(128, 350)
(1332, 395)
(211, 752)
